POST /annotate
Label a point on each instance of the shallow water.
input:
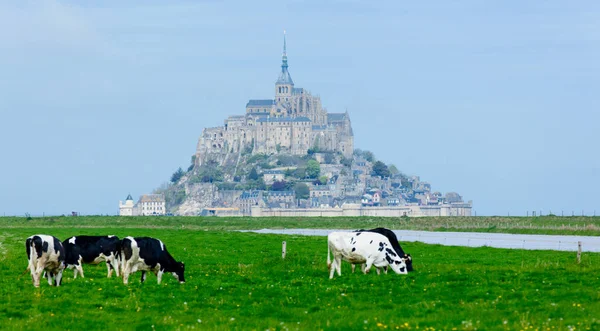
(475, 239)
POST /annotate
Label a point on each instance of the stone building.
(292, 122)
(148, 204)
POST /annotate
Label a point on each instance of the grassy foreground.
(238, 281)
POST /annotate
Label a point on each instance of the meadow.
(239, 281)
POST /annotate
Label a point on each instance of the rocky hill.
(332, 178)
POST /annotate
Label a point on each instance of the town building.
(148, 204)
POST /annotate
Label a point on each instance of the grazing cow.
(395, 244)
(146, 253)
(370, 248)
(92, 250)
(45, 253)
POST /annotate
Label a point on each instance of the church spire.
(284, 57)
(284, 76)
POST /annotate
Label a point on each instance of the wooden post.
(579, 252)
(283, 250)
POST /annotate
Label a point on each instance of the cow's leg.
(362, 267)
(39, 269)
(353, 267)
(79, 268)
(378, 271)
(332, 268)
(114, 264)
(126, 272)
(31, 268)
(58, 278)
(368, 266)
(143, 279)
(159, 275)
(109, 269)
(74, 272)
(50, 277)
(338, 264)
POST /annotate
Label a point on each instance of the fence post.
(283, 250)
(579, 252)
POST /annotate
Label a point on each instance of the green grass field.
(238, 281)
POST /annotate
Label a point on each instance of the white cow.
(45, 253)
(370, 248)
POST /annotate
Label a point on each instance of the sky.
(497, 100)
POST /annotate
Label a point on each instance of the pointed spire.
(284, 52)
(284, 76)
(284, 56)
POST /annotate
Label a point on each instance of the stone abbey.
(293, 122)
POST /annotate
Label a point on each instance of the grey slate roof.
(260, 103)
(273, 172)
(336, 117)
(284, 119)
(280, 193)
(284, 76)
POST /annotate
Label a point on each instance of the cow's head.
(178, 273)
(408, 260)
(398, 265)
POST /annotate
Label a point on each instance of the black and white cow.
(395, 244)
(92, 250)
(370, 248)
(45, 253)
(144, 253)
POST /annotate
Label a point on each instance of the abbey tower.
(292, 122)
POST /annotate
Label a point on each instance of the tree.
(177, 175)
(393, 170)
(369, 156)
(278, 186)
(302, 191)
(346, 162)
(253, 174)
(323, 180)
(313, 169)
(380, 169)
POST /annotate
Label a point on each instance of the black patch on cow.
(388, 259)
(57, 246)
(90, 247)
(391, 252)
(395, 244)
(45, 247)
(381, 246)
(37, 246)
(28, 248)
(126, 248)
(371, 242)
(353, 249)
(152, 253)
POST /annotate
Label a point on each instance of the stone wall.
(463, 209)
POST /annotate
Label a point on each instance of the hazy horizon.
(497, 101)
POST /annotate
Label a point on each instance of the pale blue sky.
(496, 100)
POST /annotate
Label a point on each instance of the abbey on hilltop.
(293, 123)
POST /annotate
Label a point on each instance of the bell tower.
(284, 84)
